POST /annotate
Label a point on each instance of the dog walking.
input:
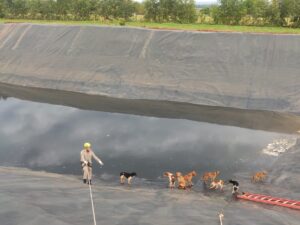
(235, 186)
(86, 156)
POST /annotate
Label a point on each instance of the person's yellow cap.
(87, 145)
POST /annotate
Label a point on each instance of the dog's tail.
(231, 181)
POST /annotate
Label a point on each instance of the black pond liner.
(49, 137)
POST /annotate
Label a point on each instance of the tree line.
(180, 11)
(232, 12)
(154, 10)
(256, 12)
(67, 9)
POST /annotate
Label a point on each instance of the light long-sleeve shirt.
(86, 157)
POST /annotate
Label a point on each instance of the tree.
(126, 9)
(229, 11)
(49, 9)
(116, 9)
(62, 8)
(256, 8)
(274, 13)
(182, 11)
(81, 9)
(206, 11)
(139, 8)
(152, 10)
(2, 9)
(18, 8)
(290, 12)
(295, 15)
(168, 10)
(186, 11)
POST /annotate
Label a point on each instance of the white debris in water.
(279, 146)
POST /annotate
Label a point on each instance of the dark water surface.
(50, 137)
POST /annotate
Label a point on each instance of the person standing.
(86, 156)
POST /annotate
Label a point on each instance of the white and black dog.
(128, 176)
(235, 187)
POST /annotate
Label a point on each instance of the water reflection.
(49, 137)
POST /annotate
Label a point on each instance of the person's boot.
(90, 182)
(84, 181)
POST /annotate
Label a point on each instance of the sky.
(50, 137)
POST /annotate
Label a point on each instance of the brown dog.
(172, 179)
(259, 176)
(189, 177)
(210, 176)
(181, 181)
(217, 184)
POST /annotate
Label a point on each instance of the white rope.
(221, 216)
(92, 201)
(91, 195)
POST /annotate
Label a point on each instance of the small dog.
(259, 176)
(181, 181)
(235, 187)
(189, 177)
(128, 176)
(210, 176)
(172, 179)
(217, 184)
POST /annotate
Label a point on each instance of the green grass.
(208, 27)
(175, 26)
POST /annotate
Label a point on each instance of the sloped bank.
(248, 71)
(61, 200)
(280, 122)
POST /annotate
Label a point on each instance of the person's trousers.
(87, 172)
